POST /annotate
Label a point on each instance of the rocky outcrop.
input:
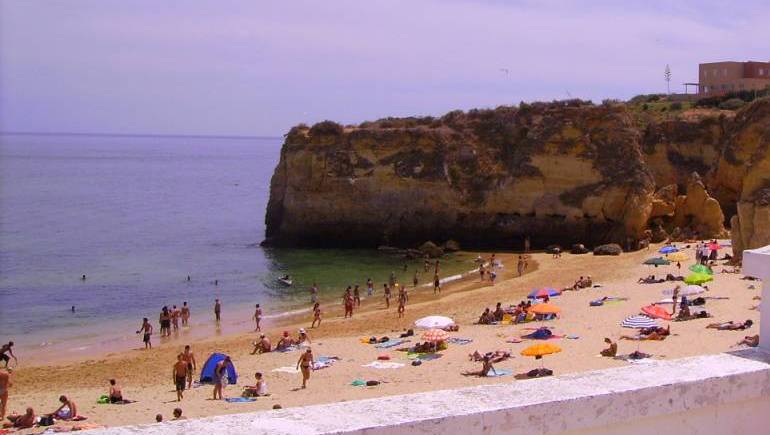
(608, 249)
(559, 173)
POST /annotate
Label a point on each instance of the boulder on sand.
(579, 248)
(608, 249)
(431, 249)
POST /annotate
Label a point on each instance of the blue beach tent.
(207, 373)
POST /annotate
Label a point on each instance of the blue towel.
(389, 343)
(496, 373)
(240, 399)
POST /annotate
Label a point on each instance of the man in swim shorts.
(192, 366)
(147, 329)
(179, 374)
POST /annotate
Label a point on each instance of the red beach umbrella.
(656, 312)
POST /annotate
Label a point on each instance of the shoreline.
(111, 345)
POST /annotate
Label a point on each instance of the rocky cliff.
(562, 172)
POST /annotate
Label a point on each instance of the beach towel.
(496, 373)
(390, 343)
(383, 365)
(423, 356)
(240, 399)
(460, 341)
(358, 383)
(286, 369)
(288, 349)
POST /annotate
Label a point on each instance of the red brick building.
(718, 78)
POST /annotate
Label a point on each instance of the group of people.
(169, 318)
(581, 283)
(286, 342)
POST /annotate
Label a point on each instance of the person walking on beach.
(401, 303)
(189, 357)
(220, 370)
(305, 363)
(436, 284)
(316, 315)
(179, 374)
(185, 313)
(217, 310)
(438, 267)
(314, 293)
(520, 266)
(386, 291)
(257, 317)
(147, 329)
(415, 279)
(347, 299)
(369, 287)
(5, 384)
(165, 322)
(6, 353)
(356, 296)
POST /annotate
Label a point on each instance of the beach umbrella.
(435, 335)
(698, 278)
(657, 261)
(686, 291)
(656, 312)
(713, 246)
(543, 292)
(677, 256)
(639, 321)
(541, 349)
(668, 249)
(431, 322)
(545, 309)
(700, 268)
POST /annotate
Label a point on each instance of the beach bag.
(372, 383)
(46, 420)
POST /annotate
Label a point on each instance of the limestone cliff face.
(744, 168)
(564, 172)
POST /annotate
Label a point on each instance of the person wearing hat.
(262, 346)
(303, 337)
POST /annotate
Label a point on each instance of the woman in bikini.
(305, 363)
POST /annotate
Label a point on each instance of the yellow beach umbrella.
(545, 309)
(678, 256)
(538, 350)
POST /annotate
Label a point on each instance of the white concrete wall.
(713, 394)
(756, 263)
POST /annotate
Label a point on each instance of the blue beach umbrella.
(668, 250)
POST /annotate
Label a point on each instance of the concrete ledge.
(725, 393)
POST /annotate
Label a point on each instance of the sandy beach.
(145, 376)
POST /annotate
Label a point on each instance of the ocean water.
(137, 215)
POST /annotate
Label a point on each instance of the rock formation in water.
(563, 172)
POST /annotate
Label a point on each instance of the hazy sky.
(259, 67)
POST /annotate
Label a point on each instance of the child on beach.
(436, 284)
(115, 394)
(316, 315)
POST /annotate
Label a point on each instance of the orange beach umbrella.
(545, 309)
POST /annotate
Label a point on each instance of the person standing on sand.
(316, 315)
(520, 266)
(436, 284)
(147, 329)
(356, 296)
(415, 279)
(347, 299)
(305, 363)
(217, 310)
(219, 375)
(386, 291)
(674, 298)
(179, 375)
(192, 365)
(185, 314)
(401, 303)
(369, 287)
(392, 278)
(481, 271)
(257, 317)
(314, 293)
(438, 267)
(5, 384)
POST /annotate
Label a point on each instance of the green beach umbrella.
(700, 268)
(657, 261)
(698, 278)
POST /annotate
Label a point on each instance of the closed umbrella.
(543, 292)
(656, 312)
(431, 322)
(657, 261)
(668, 249)
(677, 256)
(698, 278)
(701, 268)
(639, 321)
(435, 335)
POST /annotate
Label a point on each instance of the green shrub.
(732, 104)
(677, 105)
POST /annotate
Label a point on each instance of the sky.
(259, 67)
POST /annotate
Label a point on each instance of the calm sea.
(137, 215)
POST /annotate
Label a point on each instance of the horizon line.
(107, 134)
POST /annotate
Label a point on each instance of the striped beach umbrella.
(435, 335)
(639, 321)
